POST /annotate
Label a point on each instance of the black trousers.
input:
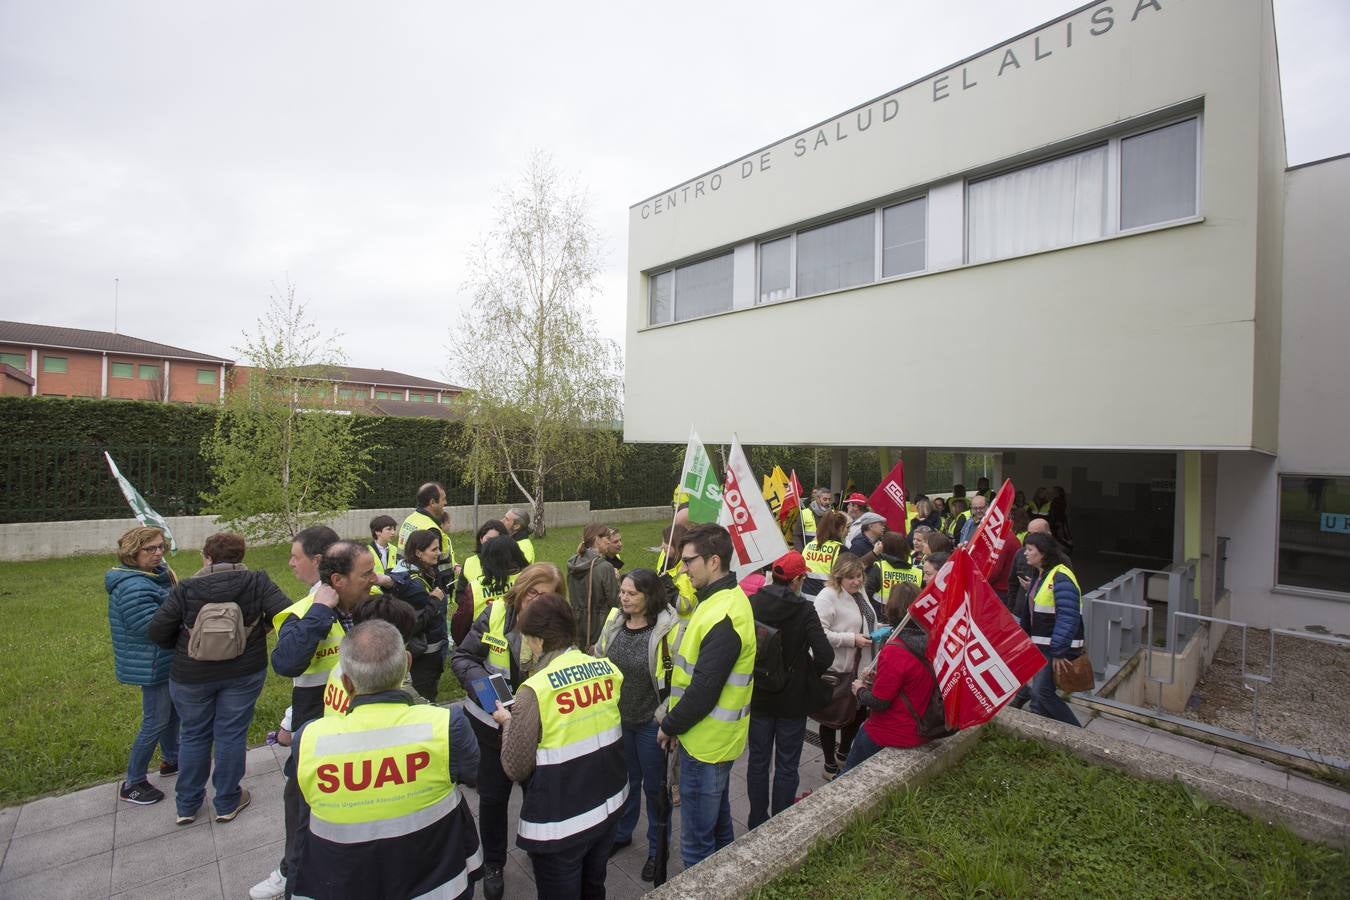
(426, 674)
(494, 792)
(577, 872)
(290, 861)
(844, 735)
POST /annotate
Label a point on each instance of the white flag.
(144, 514)
(755, 536)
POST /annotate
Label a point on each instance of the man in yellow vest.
(382, 815)
(517, 522)
(431, 502)
(711, 686)
(304, 637)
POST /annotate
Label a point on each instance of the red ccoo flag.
(987, 542)
(888, 500)
(792, 498)
(979, 654)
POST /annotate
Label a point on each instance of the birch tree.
(282, 457)
(545, 395)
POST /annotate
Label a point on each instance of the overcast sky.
(205, 153)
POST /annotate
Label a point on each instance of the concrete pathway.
(90, 845)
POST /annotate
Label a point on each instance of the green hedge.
(52, 467)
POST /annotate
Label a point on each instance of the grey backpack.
(219, 633)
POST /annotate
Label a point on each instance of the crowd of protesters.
(678, 670)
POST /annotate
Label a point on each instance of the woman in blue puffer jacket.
(136, 588)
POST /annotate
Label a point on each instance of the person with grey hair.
(517, 522)
(381, 814)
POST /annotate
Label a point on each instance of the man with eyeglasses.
(711, 685)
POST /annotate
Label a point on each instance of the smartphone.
(502, 689)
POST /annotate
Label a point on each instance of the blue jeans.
(778, 741)
(705, 808)
(219, 713)
(863, 749)
(646, 760)
(159, 725)
(1045, 700)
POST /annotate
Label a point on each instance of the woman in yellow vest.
(499, 560)
(494, 646)
(820, 553)
(1054, 619)
(414, 581)
(563, 737)
(892, 568)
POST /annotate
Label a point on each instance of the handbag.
(842, 707)
(1077, 676)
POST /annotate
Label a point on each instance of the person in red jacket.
(900, 677)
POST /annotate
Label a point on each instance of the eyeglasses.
(687, 560)
(156, 548)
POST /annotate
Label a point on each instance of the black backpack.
(771, 673)
(932, 725)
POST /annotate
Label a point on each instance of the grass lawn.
(65, 721)
(1015, 818)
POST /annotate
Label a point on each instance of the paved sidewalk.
(90, 845)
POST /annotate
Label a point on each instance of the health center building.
(1079, 252)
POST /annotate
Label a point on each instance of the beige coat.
(842, 621)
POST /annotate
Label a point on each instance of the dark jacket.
(593, 569)
(717, 655)
(468, 663)
(134, 597)
(807, 653)
(864, 549)
(297, 639)
(259, 599)
(414, 587)
(1068, 617)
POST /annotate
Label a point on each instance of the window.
(1070, 199)
(122, 370)
(904, 229)
(344, 393)
(838, 255)
(775, 270)
(381, 395)
(1314, 536)
(1050, 204)
(1158, 175)
(687, 292)
(17, 360)
(147, 373)
(54, 365)
(206, 376)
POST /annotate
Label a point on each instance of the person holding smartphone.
(413, 580)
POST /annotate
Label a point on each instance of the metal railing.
(1118, 620)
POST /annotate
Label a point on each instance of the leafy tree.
(545, 399)
(282, 456)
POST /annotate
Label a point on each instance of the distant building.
(45, 360)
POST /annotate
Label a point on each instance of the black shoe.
(142, 793)
(615, 847)
(649, 869)
(494, 885)
(168, 769)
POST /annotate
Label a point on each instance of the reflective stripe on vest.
(820, 558)
(580, 779)
(721, 735)
(1042, 609)
(382, 566)
(325, 655)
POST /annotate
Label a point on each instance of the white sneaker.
(271, 888)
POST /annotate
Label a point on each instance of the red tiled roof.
(31, 335)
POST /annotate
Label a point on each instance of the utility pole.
(116, 285)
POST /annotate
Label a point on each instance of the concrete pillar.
(1209, 543)
(916, 469)
(958, 471)
(1179, 509)
(996, 476)
(886, 457)
(838, 470)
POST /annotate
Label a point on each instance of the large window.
(147, 373)
(838, 255)
(904, 232)
(122, 370)
(206, 376)
(17, 360)
(690, 291)
(1071, 199)
(55, 365)
(775, 270)
(1314, 533)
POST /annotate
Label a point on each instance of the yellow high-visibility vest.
(720, 735)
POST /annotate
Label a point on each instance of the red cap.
(789, 566)
(857, 498)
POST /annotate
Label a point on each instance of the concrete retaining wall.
(47, 540)
(1131, 684)
(759, 856)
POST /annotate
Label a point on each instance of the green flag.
(699, 484)
(144, 513)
